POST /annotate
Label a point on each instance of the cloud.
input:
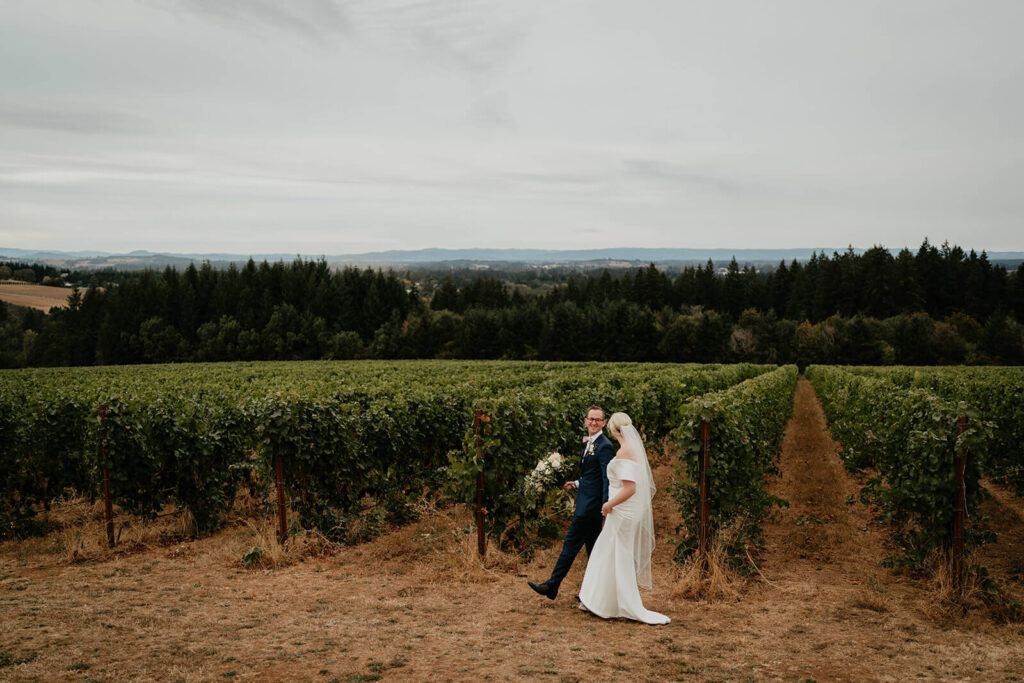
(466, 40)
(472, 37)
(475, 40)
(73, 118)
(652, 169)
(308, 18)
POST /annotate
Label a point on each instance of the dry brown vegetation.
(416, 604)
(34, 296)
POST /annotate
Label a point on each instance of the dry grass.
(445, 539)
(712, 582)
(717, 582)
(256, 545)
(79, 534)
(867, 600)
(39, 297)
(951, 599)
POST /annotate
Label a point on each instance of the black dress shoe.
(544, 589)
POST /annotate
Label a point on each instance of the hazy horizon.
(437, 256)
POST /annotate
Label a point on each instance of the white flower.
(545, 473)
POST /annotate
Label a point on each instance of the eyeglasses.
(594, 419)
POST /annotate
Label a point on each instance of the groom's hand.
(568, 486)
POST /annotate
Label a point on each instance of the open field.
(414, 604)
(34, 296)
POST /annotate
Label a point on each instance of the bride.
(621, 559)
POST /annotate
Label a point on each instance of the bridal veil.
(643, 543)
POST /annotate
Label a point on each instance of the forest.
(940, 305)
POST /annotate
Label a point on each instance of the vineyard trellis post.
(705, 504)
(282, 515)
(959, 509)
(108, 503)
(481, 539)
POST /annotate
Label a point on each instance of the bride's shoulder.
(625, 454)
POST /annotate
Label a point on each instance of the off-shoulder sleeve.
(628, 470)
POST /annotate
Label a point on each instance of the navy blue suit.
(590, 496)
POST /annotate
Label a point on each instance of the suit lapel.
(583, 458)
(595, 443)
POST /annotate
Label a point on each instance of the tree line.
(937, 306)
(935, 281)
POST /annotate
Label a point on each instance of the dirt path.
(824, 539)
(413, 605)
(1005, 558)
(822, 560)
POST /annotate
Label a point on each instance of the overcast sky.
(333, 126)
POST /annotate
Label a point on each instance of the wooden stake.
(108, 503)
(704, 540)
(282, 515)
(959, 509)
(481, 538)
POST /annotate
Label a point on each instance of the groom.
(592, 493)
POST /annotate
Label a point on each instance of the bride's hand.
(606, 508)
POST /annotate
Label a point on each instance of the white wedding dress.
(617, 562)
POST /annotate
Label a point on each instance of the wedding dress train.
(610, 587)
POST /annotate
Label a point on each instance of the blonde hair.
(616, 422)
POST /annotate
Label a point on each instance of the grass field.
(34, 296)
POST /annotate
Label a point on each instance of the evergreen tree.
(446, 297)
(873, 285)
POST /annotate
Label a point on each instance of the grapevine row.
(746, 423)
(996, 394)
(350, 436)
(908, 439)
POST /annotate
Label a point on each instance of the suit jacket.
(593, 489)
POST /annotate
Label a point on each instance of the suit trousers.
(583, 530)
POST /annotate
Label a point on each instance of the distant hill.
(579, 255)
(625, 257)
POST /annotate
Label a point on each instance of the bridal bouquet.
(546, 474)
(543, 497)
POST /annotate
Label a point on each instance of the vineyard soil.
(411, 605)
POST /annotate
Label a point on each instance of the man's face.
(594, 421)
